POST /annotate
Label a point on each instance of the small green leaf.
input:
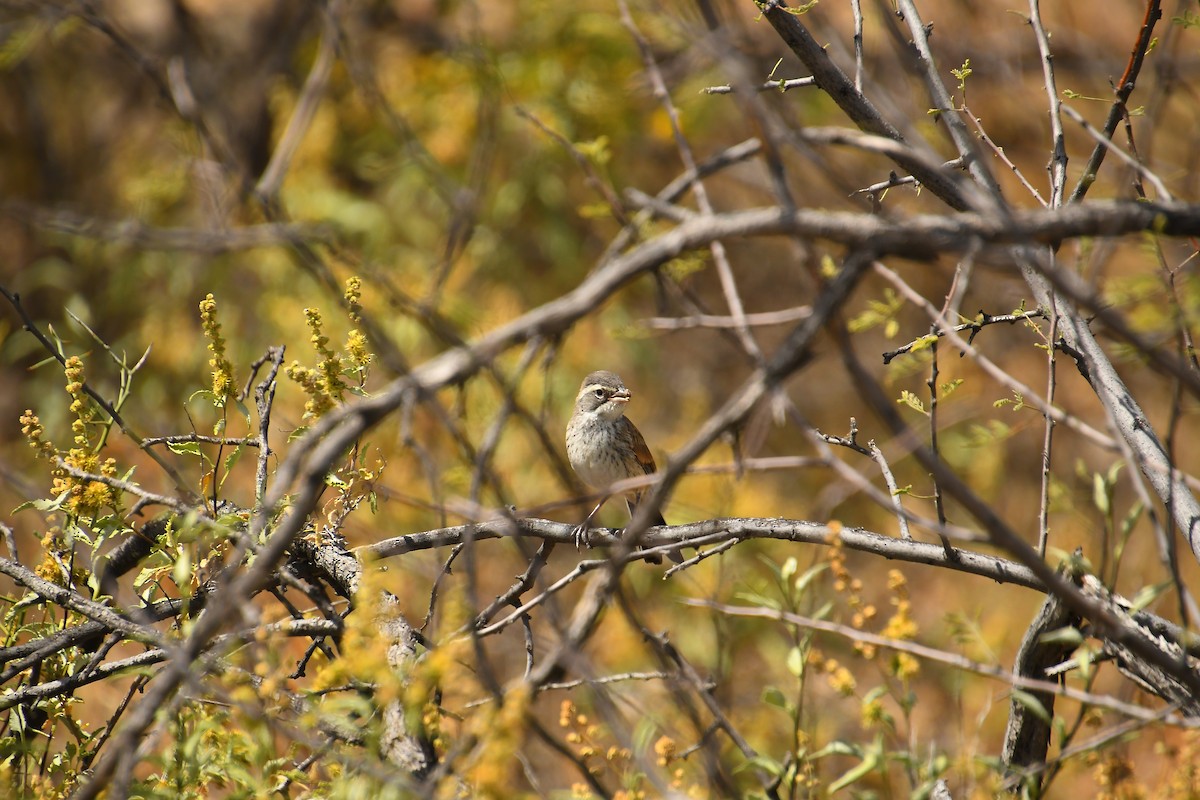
(804, 580)
(1131, 519)
(875, 694)
(795, 662)
(595, 150)
(762, 762)
(772, 696)
(802, 9)
(909, 399)
(1030, 702)
(1067, 635)
(857, 773)
(184, 448)
(1087, 666)
(838, 748)
(1148, 594)
(962, 74)
(182, 571)
(789, 569)
(924, 343)
(1101, 495)
(234, 457)
(1188, 20)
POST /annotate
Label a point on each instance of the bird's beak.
(621, 396)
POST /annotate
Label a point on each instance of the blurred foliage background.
(455, 161)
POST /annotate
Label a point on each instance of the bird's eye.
(600, 394)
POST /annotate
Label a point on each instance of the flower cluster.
(324, 383)
(901, 626)
(356, 341)
(79, 496)
(222, 370)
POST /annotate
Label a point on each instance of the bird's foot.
(583, 535)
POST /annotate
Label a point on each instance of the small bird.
(605, 447)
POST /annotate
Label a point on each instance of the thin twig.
(780, 85)
(1058, 148)
(716, 246)
(1124, 90)
(1048, 437)
(873, 452)
(761, 318)
(1131, 162)
(953, 660)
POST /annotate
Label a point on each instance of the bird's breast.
(594, 451)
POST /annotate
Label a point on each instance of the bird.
(604, 446)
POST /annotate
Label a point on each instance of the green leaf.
(20, 41)
(597, 150)
(802, 583)
(184, 448)
(644, 734)
(1030, 702)
(795, 662)
(761, 762)
(1066, 635)
(1148, 594)
(857, 773)
(773, 696)
(788, 569)
(878, 312)
(1087, 665)
(924, 343)
(182, 571)
(981, 436)
(909, 399)
(758, 599)
(838, 748)
(1101, 494)
(962, 73)
(1131, 519)
(1187, 20)
(802, 9)
(875, 694)
(232, 459)
(204, 394)
(47, 505)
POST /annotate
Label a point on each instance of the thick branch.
(716, 531)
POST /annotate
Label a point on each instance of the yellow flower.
(353, 297)
(872, 713)
(665, 749)
(842, 682)
(904, 666)
(222, 370)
